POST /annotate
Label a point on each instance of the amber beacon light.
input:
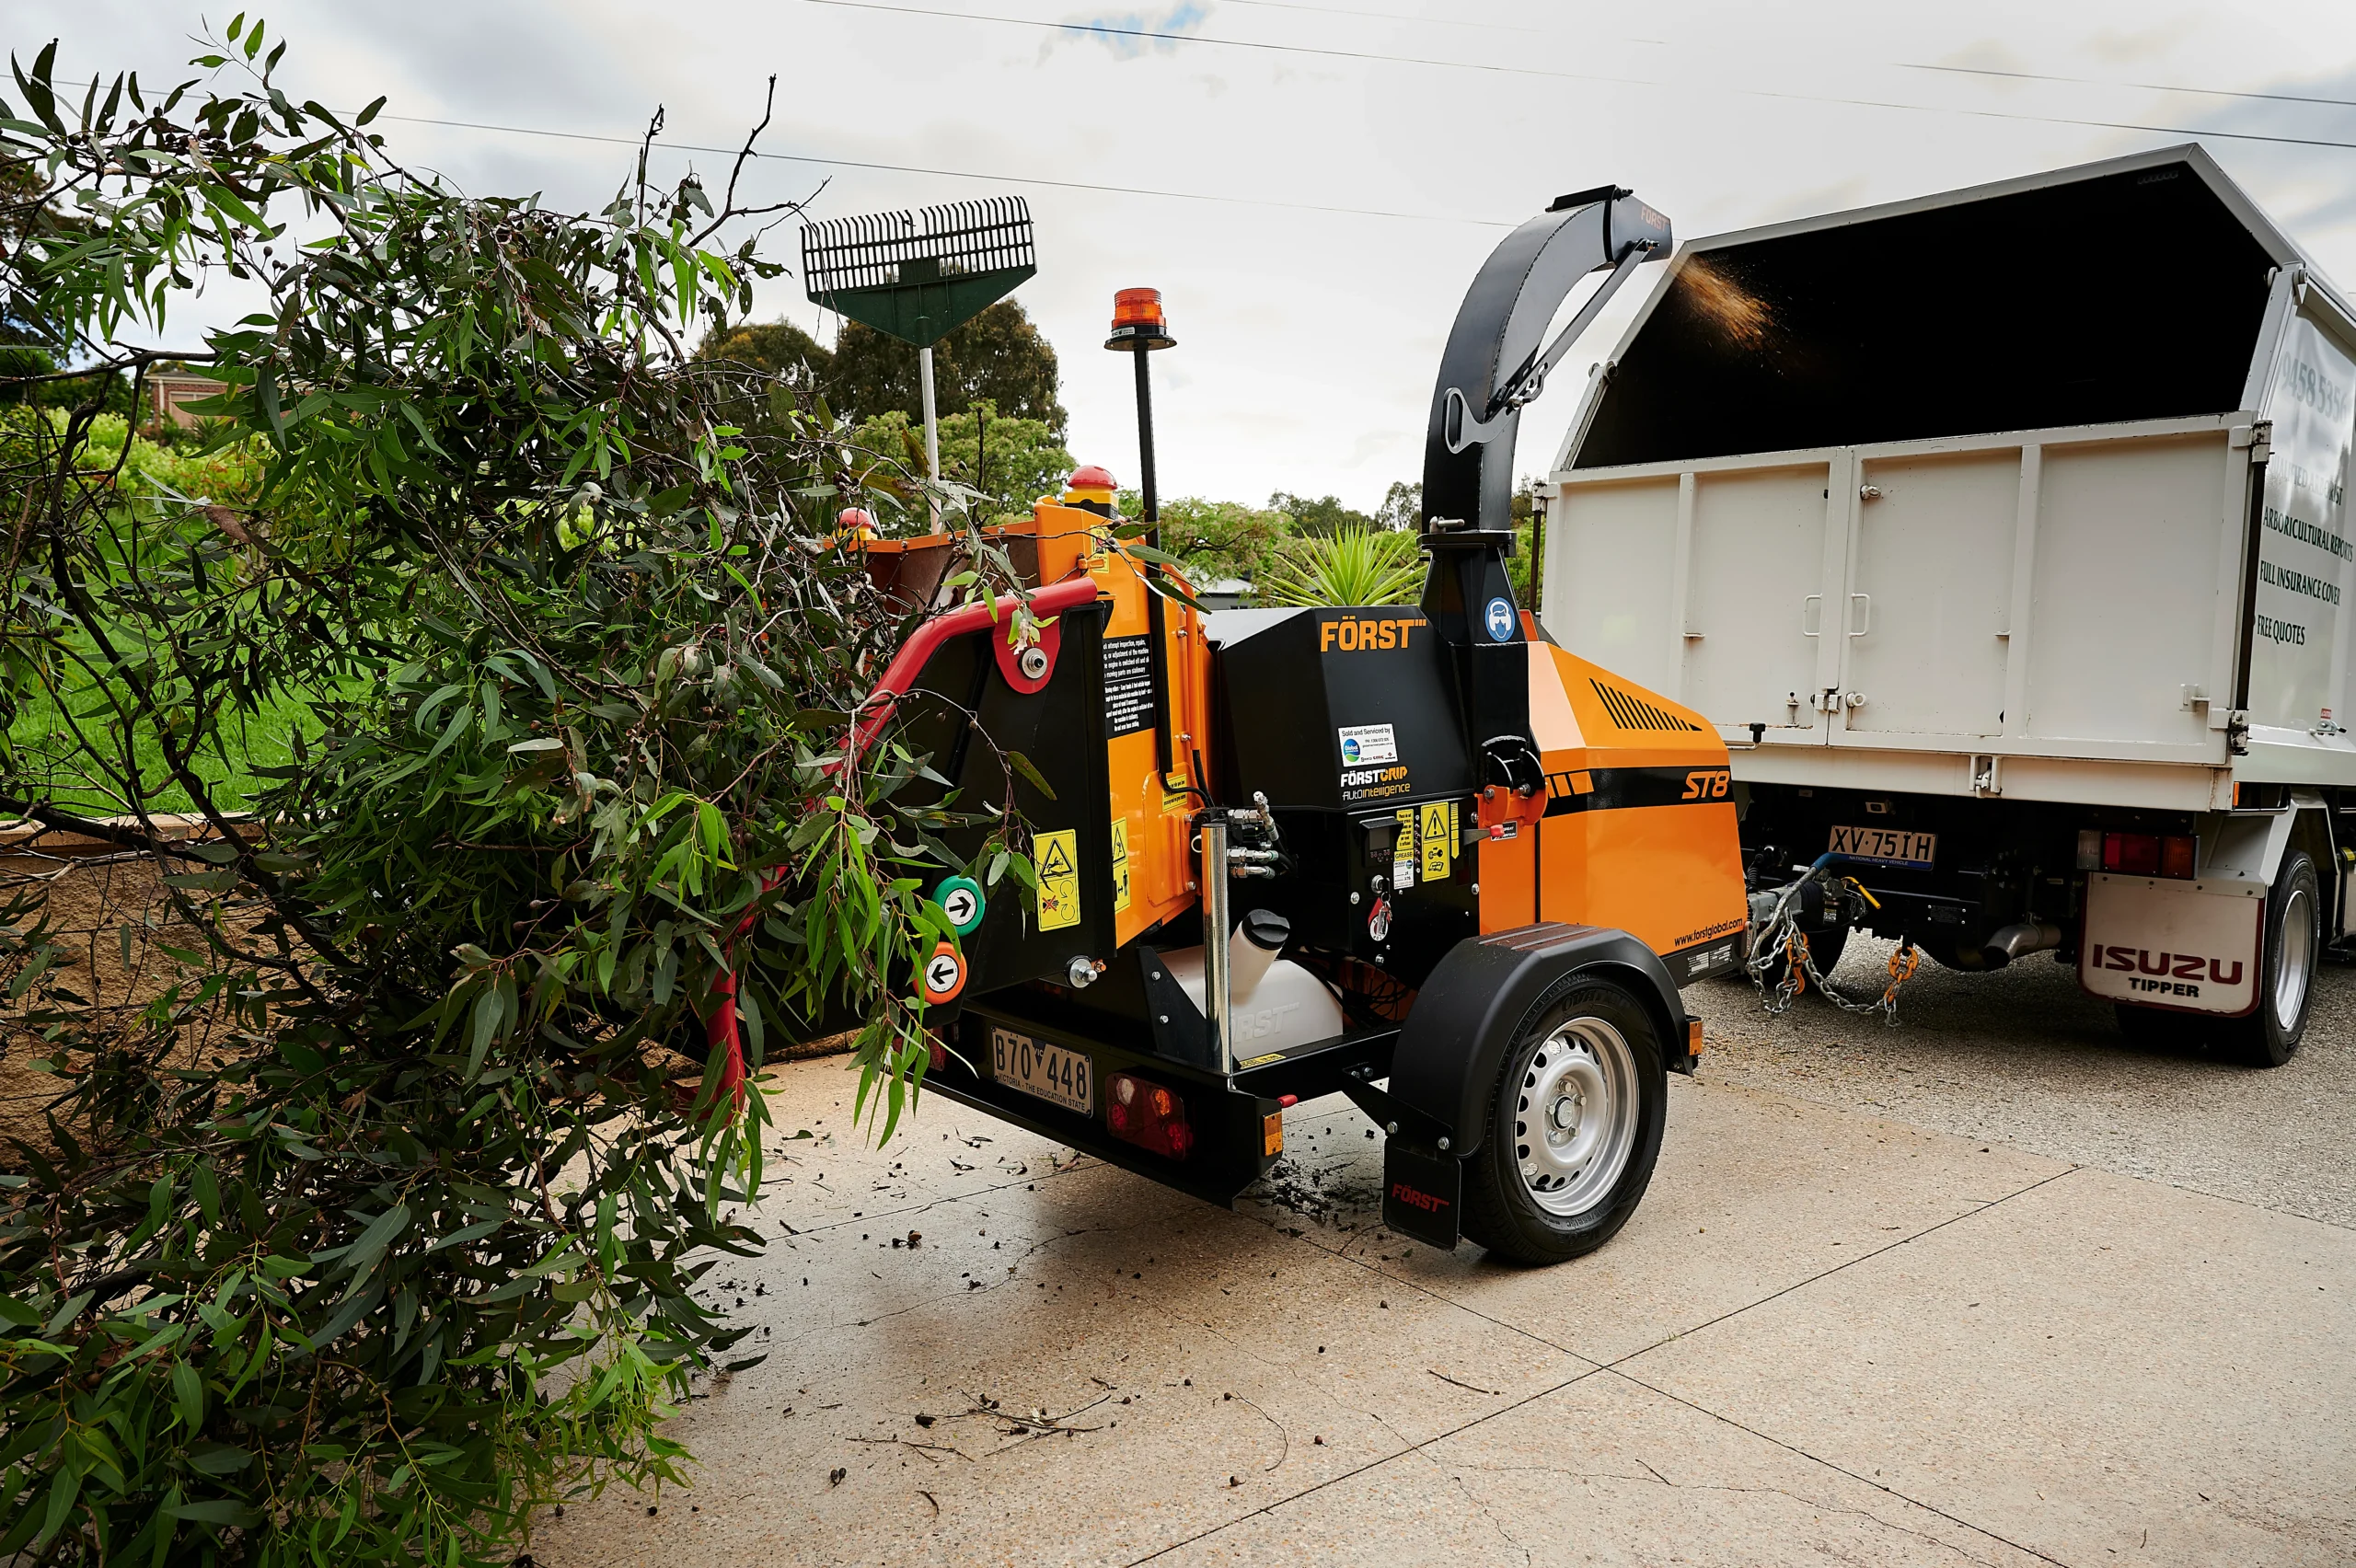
(1138, 326)
(1138, 322)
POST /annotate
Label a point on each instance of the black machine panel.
(1374, 683)
(1346, 719)
(1060, 732)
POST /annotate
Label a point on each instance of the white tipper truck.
(2004, 537)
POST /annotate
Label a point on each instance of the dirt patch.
(117, 928)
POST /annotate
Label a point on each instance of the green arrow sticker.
(961, 899)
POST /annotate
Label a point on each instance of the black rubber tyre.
(1594, 1033)
(2269, 1037)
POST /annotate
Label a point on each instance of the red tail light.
(2149, 854)
(1144, 1112)
(2176, 856)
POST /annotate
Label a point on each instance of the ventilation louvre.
(1630, 711)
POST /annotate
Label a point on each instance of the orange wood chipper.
(1418, 857)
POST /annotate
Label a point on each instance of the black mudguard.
(1476, 1001)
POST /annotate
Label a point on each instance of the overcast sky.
(1311, 184)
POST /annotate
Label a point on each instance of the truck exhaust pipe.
(2018, 940)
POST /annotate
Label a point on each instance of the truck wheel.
(2286, 975)
(1574, 1126)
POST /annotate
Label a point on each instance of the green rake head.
(918, 276)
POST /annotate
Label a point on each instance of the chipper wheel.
(1574, 1126)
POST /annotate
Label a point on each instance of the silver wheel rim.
(2297, 956)
(1574, 1118)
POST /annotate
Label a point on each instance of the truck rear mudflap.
(2179, 946)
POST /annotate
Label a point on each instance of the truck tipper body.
(2015, 569)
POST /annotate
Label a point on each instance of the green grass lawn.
(48, 762)
(50, 765)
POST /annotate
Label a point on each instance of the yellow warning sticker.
(1402, 850)
(1120, 864)
(1439, 841)
(1058, 858)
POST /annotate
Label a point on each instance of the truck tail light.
(1148, 1114)
(2135, 854)
(2178, 855)
(2149, 854)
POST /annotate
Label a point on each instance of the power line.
(2139, 86)
(1899, 65)
(1160, 36)
(2197, 132)
(952, 173)
(1108, 30)
(1398, 16)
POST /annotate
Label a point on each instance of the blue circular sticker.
(1499, 616)
(1350, 750)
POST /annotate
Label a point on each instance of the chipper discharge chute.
(1421, 856)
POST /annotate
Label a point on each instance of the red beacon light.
(1148, 1114)
(1138, 322)
(1092, 488)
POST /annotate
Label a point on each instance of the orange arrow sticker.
(945, 974)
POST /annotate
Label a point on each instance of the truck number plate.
(1886, 846)
(1059, 1077)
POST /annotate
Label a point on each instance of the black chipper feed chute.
(1493, 363)
(1496, 362)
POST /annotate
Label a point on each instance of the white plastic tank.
(1273, 1003)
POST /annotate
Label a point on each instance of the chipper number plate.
(1886, 846)
(1060, 1077)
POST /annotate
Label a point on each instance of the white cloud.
(1307, 340)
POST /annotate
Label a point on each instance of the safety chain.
(1781, 939)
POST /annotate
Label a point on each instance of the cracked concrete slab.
(1086, 1335)
(2101, 1368)
(1607, 1472)
(1072, 1365)
(1755, 1192)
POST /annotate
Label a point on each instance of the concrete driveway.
(1828, 1335)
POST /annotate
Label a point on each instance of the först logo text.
(1356, 634)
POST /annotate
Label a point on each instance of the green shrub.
(1353, 566)
(384, 1225)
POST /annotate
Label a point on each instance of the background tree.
(998, 355)
(1322, 516)
(1222, 539)
(776, 348)
(31, 347)
(1402, 506)
(1008, 463)
(384, 1225)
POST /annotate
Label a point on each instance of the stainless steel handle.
(1218, 1003)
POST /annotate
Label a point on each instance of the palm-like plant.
(1356, 565)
